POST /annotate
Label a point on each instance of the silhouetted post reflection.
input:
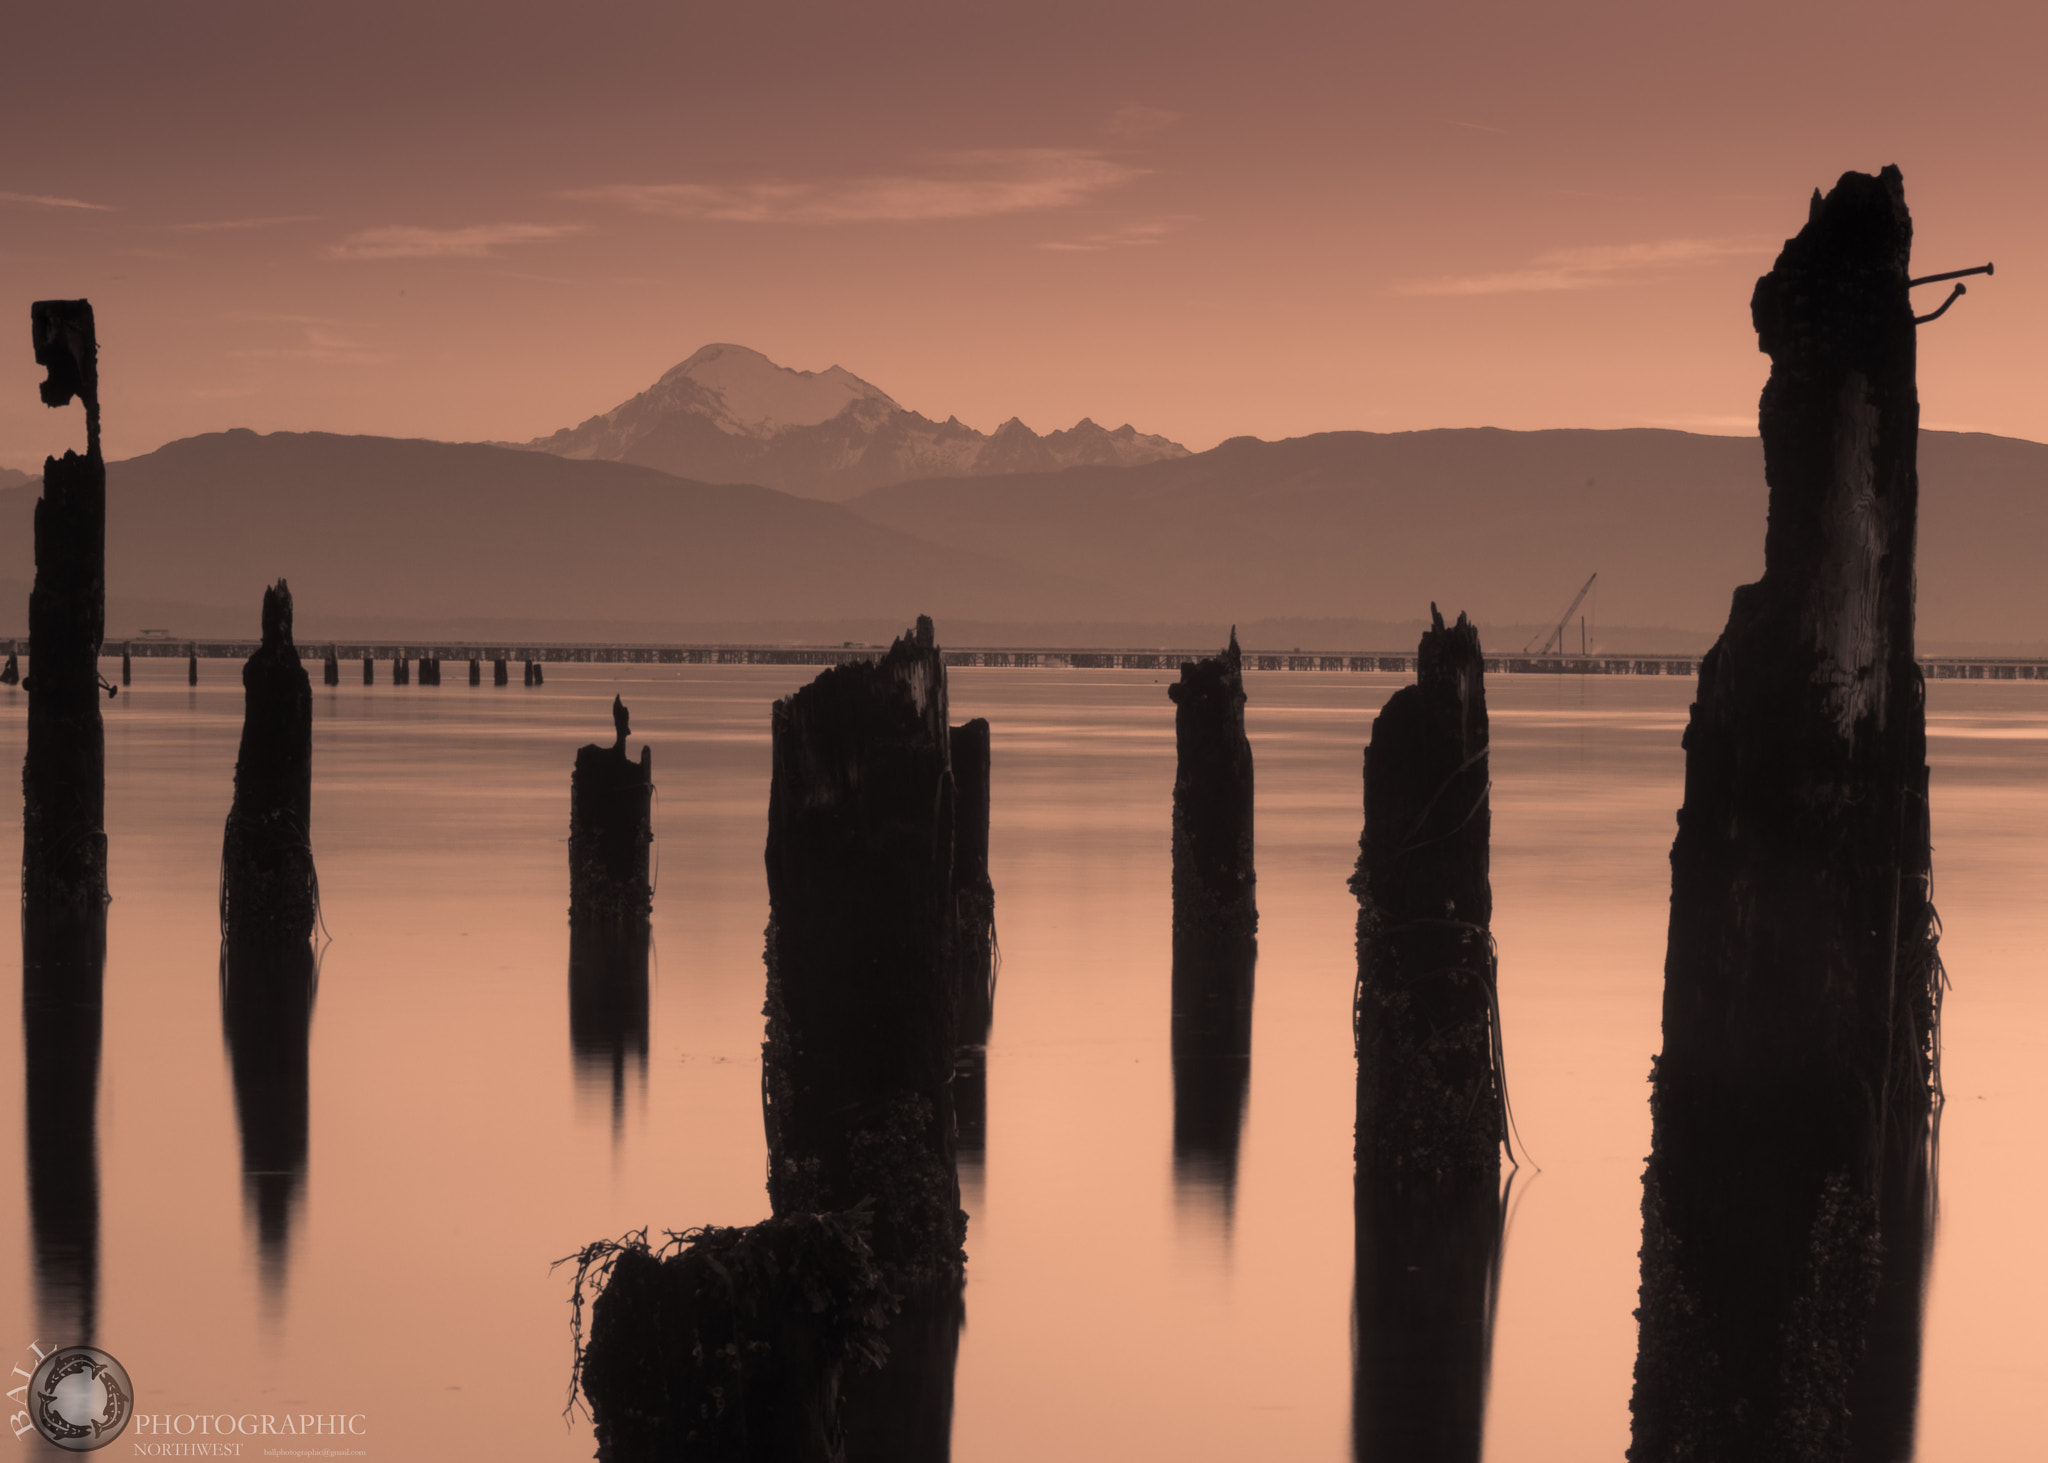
(1215, 926)
(608, 1009)
(1432, 1113)
(63, 960)
(267, 988)
(1784, 1213)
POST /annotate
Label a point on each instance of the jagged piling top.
(68, 350)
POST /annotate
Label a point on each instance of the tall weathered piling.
(1431, 1106)
(861, 996)
(267, 990)
(974, 896)
(611, 830)
(1429, 1089)
(64, 841)
(270, 895)
(1801, 980)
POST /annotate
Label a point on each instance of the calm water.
(1118, 1306)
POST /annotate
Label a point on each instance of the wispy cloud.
(404, 241)
(1585, 268)
(224, 225)
(1135, 119)
(1124, 236)
(950, 185)
(318, 342)
(45, 200)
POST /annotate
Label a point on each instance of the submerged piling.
(269, 892)
(64, 841)
(611, 830)
(1801, 981)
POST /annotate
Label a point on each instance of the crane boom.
(1555, 639)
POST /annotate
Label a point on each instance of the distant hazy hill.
(437, 532)
(729, 414)
(13, 478)
(1504, 524)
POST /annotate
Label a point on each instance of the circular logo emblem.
(80, 1398)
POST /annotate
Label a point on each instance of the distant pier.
(1941, 668)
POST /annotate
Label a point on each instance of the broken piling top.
(862, 995)
(1214, 875)
(1840, 420)
(67, 349)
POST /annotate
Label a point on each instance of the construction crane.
(1553, 642)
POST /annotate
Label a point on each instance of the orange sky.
(491, 220)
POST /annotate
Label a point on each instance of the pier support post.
(369, 670)
(401, 671)
(611, 829)
(476, 672)
(539, 679)
(528, 677)
(1801, 981)
(269, 892)
(499, 677)
(64, 840)
(192, 668)
(127, 671)
(331, 670)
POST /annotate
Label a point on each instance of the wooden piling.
(192, 669)
(127, 671)
(401, 671)
(528, 674)
(1801, 981)
(476, 672)
(64, 841)
(539, 679)
(861, 996)
(369, 670)
(974, 896)
(1430, 1095)
(270, 895)
(1215, 882)
(499, 676)
(611, 830)
(331, 670)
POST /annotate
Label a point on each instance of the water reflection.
(608, 1009)
(903, 1413)
(1212, 1071)
(970, 1121)
(1427, 1289)
(63, 966)
(1884, 1399)
(267, 989)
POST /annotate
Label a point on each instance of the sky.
(488, 221)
